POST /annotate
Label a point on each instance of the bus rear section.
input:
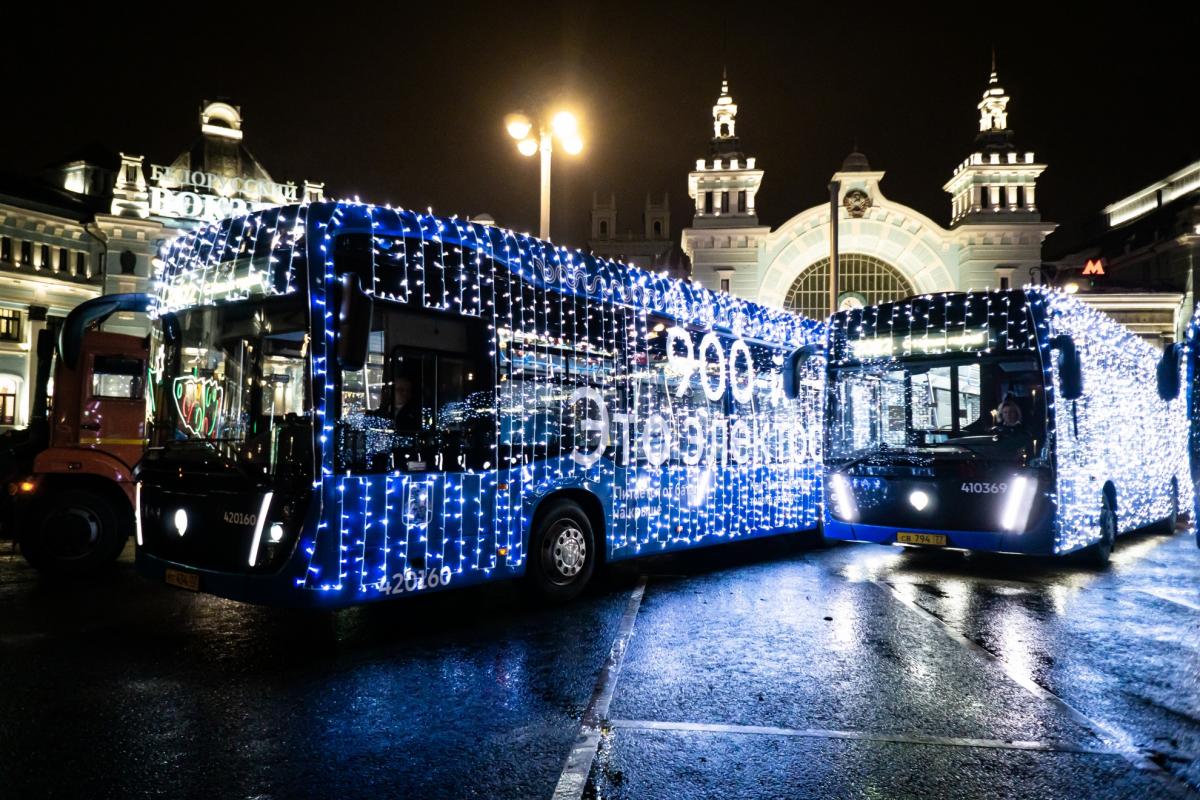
(1011, 421)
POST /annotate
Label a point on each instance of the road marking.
(1163, 595)
(573, 779)
(895, 738)
(1121, 741)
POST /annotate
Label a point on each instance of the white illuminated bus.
(354, 403)
(1019, 421)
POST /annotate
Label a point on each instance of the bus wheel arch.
(565, 544)
(89, 518)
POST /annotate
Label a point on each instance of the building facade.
(886, 249)
(1137, 258)
(94, 224)
(652, 248)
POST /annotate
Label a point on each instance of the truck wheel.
(1099, 554)
(74, 532)
(562, 552)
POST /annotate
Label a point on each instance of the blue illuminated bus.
(353, 403)
(1187, 355)
(1017, 421)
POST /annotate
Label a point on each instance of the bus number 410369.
(414, 580)
(984, 488)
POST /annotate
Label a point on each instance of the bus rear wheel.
(562, 552)
(73, 533)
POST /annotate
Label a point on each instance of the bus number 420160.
(984, 488)
(414, 580)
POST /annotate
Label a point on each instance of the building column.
(1029, 203)
(37, 324)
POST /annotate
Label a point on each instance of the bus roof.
(935, 324)
(257, 236)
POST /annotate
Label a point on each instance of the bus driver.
(1011, 432)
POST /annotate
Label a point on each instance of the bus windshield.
(992, 406)
(235, 380)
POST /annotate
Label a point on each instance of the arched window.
(604, 227)
(657, 228)
(724, 128)
(10, 390)
(874, 280)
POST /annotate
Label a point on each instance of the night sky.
(405, 105)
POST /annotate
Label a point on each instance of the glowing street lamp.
(565, 128)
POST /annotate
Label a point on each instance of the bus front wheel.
(562, 552)
(1099, 554)
(1167, 526)
(74, 532)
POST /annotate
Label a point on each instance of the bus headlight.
(1019, 503)
(259, 522)
(843, 497)
(276, 533)
(918, 500)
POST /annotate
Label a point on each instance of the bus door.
(414, 438)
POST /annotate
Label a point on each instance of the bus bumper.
(1032, 543)
(269, 590)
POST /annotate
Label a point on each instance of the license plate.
(184, 580)
(922, 538)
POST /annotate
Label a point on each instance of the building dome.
(856, 162)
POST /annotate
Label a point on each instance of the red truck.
(69, 475)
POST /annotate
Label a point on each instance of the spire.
(725, 142)
(993, 108)
(994, 134)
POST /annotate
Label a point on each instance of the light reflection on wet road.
(769, 669)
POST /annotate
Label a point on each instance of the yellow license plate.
(921, 538)
(184, 580)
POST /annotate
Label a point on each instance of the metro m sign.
(1094, 266)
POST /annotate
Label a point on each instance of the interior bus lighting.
(1018, 504)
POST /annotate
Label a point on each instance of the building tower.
(993, 200)
(604, 218)
(657, 218)
(724, 240)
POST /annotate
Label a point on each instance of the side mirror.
(353, 323)
(1070, 367)
(1168, 372)
(793, 365)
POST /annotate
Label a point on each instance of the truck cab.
(74, 494)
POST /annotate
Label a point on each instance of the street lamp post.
(565, 128)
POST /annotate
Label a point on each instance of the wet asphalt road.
(777, 668)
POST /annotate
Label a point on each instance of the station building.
(886, 250)
(93, 224)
